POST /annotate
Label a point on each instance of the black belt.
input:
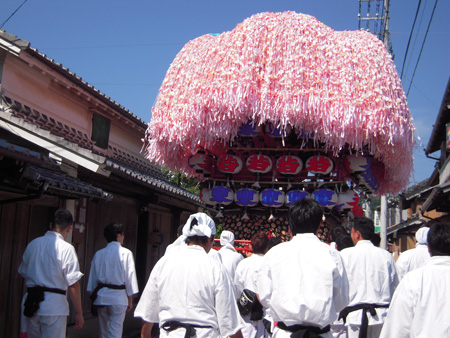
(190, 328)
(35, 296)
(364, 319)
(303, 331)
(94, 294)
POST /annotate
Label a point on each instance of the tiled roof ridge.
(71, 134)
(50, 124)
(25, 46)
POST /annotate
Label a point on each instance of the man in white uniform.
(414, 258)
(421, 307)
(112, 282)
(246, 277)
(50, 268)
(230, 258)
(303, 281)
(189, 291)
(372, 278)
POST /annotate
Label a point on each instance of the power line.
(13, 14)
(421, 49)
(409, 40)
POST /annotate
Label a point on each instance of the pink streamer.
(286, 68)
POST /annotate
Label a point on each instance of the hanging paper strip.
(339, 87)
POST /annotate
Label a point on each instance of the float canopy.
(288, 69)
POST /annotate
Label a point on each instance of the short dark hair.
(375, 239)
(260, 243)
(274, 241)
(180, 230)
(439, 239)
(62, 219)
(305, 216)
(199, 240)
(336, 232)
(365, 226)
(112, 230)
(344, 241)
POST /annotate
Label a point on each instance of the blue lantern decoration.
(347, 200)
(200, 162)
(222, 195)
(273, 198)
(246, 197)
(326, 197)
(205, 196)
(249, 129)
(295, 195)
(367, 178)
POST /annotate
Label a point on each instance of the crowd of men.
(303, 288)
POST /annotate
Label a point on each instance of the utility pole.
(374, 17)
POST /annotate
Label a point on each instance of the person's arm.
(237, 335)
(146, 329)
(130, 303)
(75, 297)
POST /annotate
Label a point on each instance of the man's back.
(303, 282)
(372, 278)
(412, 259)
(420, 306)
(189, 286)
(230, 259)
(51, 262)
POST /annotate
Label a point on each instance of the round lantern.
(326, 197)
(246, 197)
(347, 200)
(289, 165)
(295, 195)
(249, 129)
(354, 163)
(205, 196)
(319, 164)
(229, 164)
(222, 195)
(259, 164)
(200, 162)
(367, 179)
(273, 198)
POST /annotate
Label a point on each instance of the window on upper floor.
(100, 131)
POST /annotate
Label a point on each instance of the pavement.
(131, 328)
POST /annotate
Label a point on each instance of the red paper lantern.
(347, 200)
(319, 164)
(229, 164)
(200, 162)
(289, 165)
(354, 163)
(259, 164)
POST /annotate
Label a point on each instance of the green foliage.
(180, 179)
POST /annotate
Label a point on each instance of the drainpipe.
(383, 222)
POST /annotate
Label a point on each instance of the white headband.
(199, 224)
(422, 235)
(227, 237)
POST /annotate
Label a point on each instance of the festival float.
(280, 108)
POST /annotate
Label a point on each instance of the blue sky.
(124, 48)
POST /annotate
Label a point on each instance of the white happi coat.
(372, 278)
(420, 306)
(113, 264)
(246, 277)
(52, 262)
(191, 287)
(412, 259)
(303, 282)
(230, 259)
